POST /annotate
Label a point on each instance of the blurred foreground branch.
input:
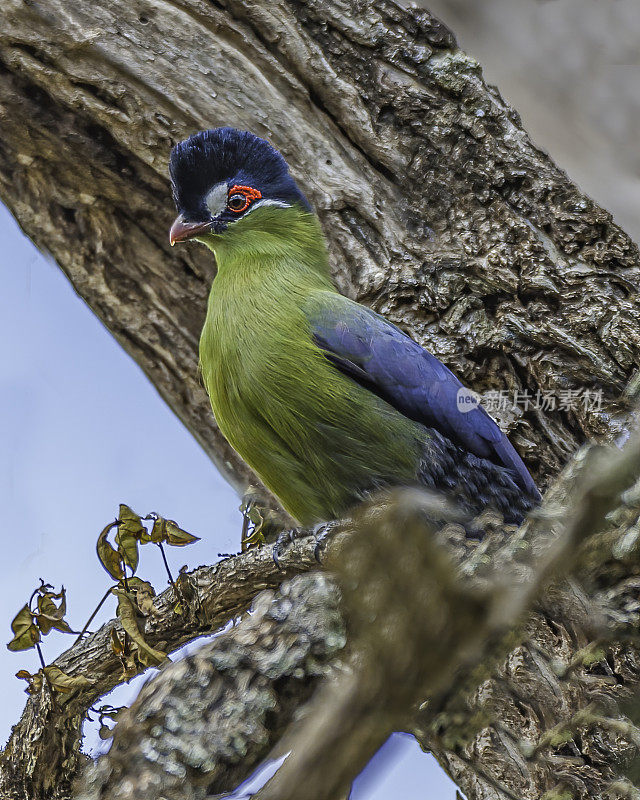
(417, 627)
(433, 625)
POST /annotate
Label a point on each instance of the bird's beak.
(181, 230)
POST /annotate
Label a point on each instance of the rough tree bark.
(438, 209)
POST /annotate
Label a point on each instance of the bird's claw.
(282, 542)
(322, 531)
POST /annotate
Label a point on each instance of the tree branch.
(410, 648)
(226, 704)
(390, 667)
(43, 751)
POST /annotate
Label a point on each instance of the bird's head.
(222, 175)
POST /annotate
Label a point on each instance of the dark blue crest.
(238, 157)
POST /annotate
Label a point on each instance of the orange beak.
(181, 230)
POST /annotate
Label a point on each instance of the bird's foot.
(283, 541)
(322, 531)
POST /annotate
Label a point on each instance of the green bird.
(326, 400)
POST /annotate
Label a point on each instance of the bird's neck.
(273, 245)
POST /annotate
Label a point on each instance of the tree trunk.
(438, 209)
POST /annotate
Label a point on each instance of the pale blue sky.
(81, 430)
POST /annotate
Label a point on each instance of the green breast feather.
(314, 436)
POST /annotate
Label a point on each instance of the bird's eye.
(241, 197)
(238, 202)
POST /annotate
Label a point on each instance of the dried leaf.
(109, 558)
(130, 531)
(120, 646)
(157, 531)
(127, 612)
(176, 536)
(144, 594)
(44, 619)
(34, 681)
(117, 644)
(167, 530)
(105, 732)
(24, 675)
(26, 633)
(56, 678)
(63, 683)
(64, 627)
(49, 614)
(252, 515)
(149, 657)
(22, 621)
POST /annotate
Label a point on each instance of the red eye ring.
(237, 194)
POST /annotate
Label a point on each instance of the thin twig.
(92, 617)
(166, 565)
(39, 649)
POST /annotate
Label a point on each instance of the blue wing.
(380, 357)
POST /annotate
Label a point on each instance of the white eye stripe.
(267, 202)
(216, 200)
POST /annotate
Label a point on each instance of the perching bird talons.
(322, 532)
(283, 542)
